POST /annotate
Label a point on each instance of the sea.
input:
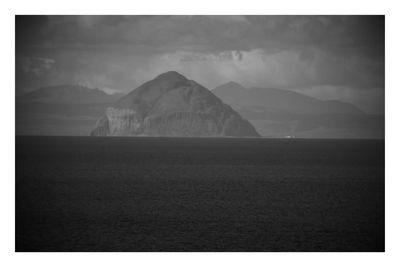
(199, 194)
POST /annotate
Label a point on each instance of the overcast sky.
(329, 57)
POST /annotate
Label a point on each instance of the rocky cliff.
(171, 105)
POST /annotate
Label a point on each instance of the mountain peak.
(229, 87)
(171, 75)
(233, 84)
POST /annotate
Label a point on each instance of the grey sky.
(329, 57)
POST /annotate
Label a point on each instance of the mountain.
(72, 94)
(280, 100)
(172, 105)
(283, 113)
(60, 110)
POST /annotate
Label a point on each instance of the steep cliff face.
(171, 105)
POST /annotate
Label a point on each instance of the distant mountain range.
(69, 94)
(284, 113)
(172, 105)
(278, 100)
(61, 110)
(75, 109)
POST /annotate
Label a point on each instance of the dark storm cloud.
(120, 52)
(207, 33)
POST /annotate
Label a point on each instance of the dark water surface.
(192, 194)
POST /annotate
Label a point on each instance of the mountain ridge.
(68, 93)
(278, 113)
(240, 97)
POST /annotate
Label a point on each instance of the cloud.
(35, 65)
(121, 52)
(208, 33)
